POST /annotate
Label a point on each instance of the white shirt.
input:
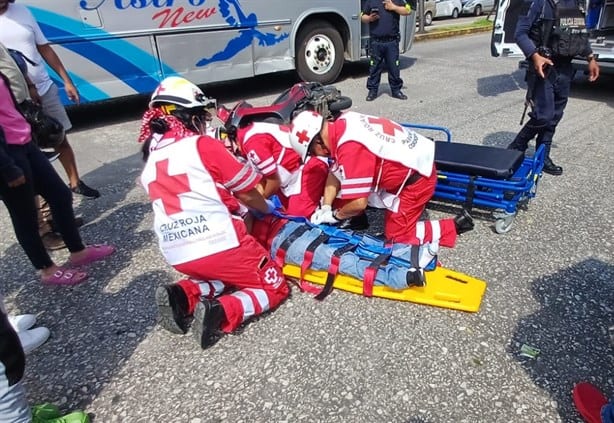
(20, 31)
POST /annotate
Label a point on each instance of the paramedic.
(550, 36)
(384, 36)
(298, 186)
(377, 162)
(192, 181)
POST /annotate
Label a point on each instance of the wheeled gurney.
(490, 177)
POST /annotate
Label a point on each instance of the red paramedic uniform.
(267, 147)
(190, 182)
(362, 173)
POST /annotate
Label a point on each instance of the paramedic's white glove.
(315, 217)
(324, 215)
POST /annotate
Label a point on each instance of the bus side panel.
(273, 52)
(110, 68)
(101, 65)
(204, 57)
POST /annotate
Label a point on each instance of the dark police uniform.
(384, 48)
(557, 31)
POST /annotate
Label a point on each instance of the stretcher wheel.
(503, 225)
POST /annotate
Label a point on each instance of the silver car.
(477, 7)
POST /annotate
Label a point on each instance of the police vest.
(389, 141)
(564, 34)
(570, 36)
(190, 219)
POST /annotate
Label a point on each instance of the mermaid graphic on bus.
(249, 32)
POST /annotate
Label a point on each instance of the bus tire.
(319, 53)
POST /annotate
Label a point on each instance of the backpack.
(47, 132)
(21, 60)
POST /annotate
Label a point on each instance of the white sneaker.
(22, 322)
(33, 338)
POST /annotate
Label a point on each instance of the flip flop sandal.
(65, 277)
(94, 253)
(589, 400)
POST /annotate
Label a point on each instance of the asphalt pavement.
(348, 358)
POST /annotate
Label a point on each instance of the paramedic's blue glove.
(271, 207)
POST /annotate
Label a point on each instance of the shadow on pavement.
(601, 90)
(491, 86)
(95, 327)
(571, 331)
(499, 139)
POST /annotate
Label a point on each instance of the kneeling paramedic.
(267, 147)
(194, 184)
(376, 162)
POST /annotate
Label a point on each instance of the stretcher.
(444, 288)
(490, 177)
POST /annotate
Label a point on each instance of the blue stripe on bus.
(87, 91)
(123, 59)
(112, 62)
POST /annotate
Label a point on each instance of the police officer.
(383, 20)
(550, 36)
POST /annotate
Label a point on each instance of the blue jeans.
(392, 275)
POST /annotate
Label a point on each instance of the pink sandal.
(65, 277)
(93, 253)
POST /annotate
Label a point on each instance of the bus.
(116, 48)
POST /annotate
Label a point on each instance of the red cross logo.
(159, 90)
(271, 276)
(302, 136)
(167, 188)
(388, 126)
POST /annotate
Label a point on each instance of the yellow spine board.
(444, 288)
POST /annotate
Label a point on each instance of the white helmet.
(305, 126)
(181, 92)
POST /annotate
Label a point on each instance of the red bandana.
(174, 124)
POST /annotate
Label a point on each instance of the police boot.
(208, 317)
(463, 222)
(551, 168)
(173, 309)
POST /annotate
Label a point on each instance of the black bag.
(47, 132)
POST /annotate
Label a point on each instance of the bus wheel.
(319, 53)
